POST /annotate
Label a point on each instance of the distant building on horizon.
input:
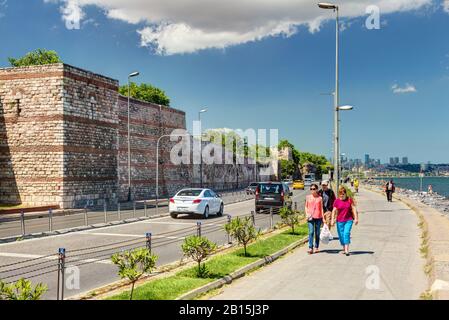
(405, 160)
(367, 164)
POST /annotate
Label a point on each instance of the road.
(11, 227)
(385, 262)
(90, 250)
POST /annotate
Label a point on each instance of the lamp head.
(326, 5)
(345, 108)
(134, 74)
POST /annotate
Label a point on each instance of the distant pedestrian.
(356, 185)
(430, 189)
(345, 214)
(389, 190)
(328, 196)
(314, 213)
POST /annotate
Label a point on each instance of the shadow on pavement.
(352, 253)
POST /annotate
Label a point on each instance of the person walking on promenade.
(430, 189)
(356, 185)
(328, 196)
(389, 190)
(314, 214)
(345, 214)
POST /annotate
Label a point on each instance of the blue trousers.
(314, 232)
(344, 232)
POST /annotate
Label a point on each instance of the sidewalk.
(385, 262)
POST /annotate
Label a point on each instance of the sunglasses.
(313, 189)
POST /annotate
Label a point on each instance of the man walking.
(389, 190)
(328, 202)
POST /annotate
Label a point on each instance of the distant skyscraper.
(367, 160)
(392, 161)
(404, 160)
(396, 160)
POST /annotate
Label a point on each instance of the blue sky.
(274, 82)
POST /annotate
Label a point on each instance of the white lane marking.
(24, 255)
(168, 222)
(115, 234)
(129, 235)
(55, 257)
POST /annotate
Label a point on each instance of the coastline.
(434, 200)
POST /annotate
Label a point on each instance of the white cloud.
(409, 88)
(186, 26)
(446, 5)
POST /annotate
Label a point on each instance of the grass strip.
(219, 266)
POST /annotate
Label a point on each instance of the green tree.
(145, 92)
(134, 264)
(21, 290)
(295, 153)
(290, 217)
(288, 169)
(37, 57)
(198, 248)
(242, 230)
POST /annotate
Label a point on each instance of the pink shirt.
(314, 206)
(344, 209)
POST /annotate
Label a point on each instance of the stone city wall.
(64, 141)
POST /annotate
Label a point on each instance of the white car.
(196, 201)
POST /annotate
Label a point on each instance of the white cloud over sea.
(186, 26)
(408, 88)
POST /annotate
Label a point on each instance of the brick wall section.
(31, 134)
(90, 138)
(147, 123)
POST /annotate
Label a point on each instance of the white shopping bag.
(325, 235)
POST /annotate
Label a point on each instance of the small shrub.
(289, 217)
(134, 264)
(242, 230)
(21, 290)
(198, 248)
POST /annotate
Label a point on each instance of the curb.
(241, 272)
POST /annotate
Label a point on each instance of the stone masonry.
(64, 141)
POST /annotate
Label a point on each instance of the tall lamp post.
(131, 75)
(201, 147)
(330, 6)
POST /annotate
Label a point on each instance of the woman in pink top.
(314, 213)
(345, 213)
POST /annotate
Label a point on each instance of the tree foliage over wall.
(35, 58)
(288, 168)
(145, 92)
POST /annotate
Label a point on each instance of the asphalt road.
(41, 223)
(385, 263)
(90, 250)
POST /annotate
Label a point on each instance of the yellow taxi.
(298, 184)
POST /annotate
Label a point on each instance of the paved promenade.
(385, 262)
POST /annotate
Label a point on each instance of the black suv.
(251, 189)
(272, 194)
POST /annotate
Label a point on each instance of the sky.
(266, 64)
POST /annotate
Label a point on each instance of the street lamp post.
(336, 96)
(201, 147)
(131, 75)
